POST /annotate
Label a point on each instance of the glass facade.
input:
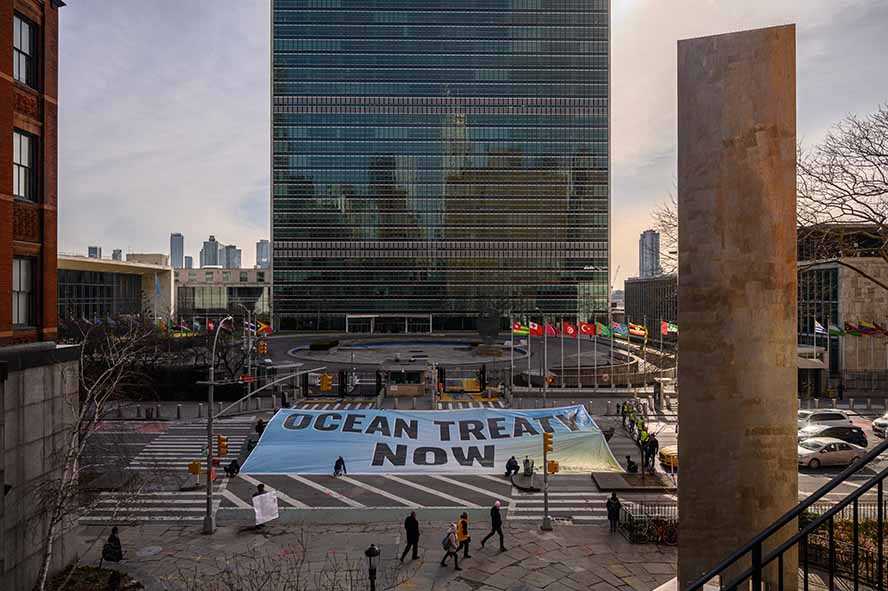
(97, 295)
(819, 300)
(439, 157)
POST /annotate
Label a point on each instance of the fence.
(649, 522)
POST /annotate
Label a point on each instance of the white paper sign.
(266, 507)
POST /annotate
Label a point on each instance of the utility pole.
(209, 518)
(547, 447)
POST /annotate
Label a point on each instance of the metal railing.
(809, 539)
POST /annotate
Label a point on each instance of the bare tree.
(665, 218)
(108, 370)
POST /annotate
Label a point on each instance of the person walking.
(653, 448)
(339, 467)
(613, 512)
(411, 527)
(450, 547)
(462, 535)
(496, 526)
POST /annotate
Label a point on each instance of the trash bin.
(149, 412)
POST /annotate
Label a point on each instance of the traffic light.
(262, 347)
(222, 445)
(326, 382)
(553, 467)
(547, 442)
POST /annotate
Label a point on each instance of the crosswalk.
(584, 507)
(459, 405)
(179, 445)
(334, 405)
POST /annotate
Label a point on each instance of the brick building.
(28, 173)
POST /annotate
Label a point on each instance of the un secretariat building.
(436, 159)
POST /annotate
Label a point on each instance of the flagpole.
(562, 351)
(545, 359)
(594, 338)
(511, 353)
(580, 355)
(528, 357)
(828, 358)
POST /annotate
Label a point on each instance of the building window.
(24, 177)
(243, 277)
(226, 276)
(24, 55)
(260, 276)
(208, 276)
(22, 292)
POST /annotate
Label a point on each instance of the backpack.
(445, 543)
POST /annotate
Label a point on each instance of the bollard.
(834, 403)
(256, 404)
(157, 411)
(869, 403)
(608, 408)
(413, 403)
(816, 403)
(850, 404)
(138, 411)
(396, 402)
(274, 402)
(200, 410)
(178, 412)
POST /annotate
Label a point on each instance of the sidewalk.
(567, 559)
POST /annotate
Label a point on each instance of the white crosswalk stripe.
(334, 405)
(571, 507)
(457, 405)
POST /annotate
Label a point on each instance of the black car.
(853, 435)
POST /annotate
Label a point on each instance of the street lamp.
(372, 553)
(209, 519)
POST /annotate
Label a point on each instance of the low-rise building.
(203, 294)
(652, 300)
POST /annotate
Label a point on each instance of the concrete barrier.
(178, 412)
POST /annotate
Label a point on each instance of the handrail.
(787, 517)
(838, 507)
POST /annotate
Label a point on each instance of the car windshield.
(804, 414)
(811, 445)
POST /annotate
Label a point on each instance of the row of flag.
(567, 329)
(860, 329)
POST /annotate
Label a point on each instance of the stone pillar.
(737, 292)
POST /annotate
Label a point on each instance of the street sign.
(247, 379)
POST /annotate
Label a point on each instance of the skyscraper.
(649, 254)
(263, 254)
(177, 250)
(209, 254)
(439, 162)
(94, 252)
(189, 262)
(232, 257)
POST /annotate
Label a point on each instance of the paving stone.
(603, 586)
(539, 579)
(637, 584)
(558, 586)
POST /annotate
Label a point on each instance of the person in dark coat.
(496, 526)
(411, 526)
(613, 512)
(511, 466)
(339, 467)
(233, 468)
(112, 551)
(653, 448)
(260, 426)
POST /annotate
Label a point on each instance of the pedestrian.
(233, 468)
(411, 527)
(624, 412)
(339, 467)
(528, 466)
(450, 547)
(260, 426)
(511, 467)
(496, 526)
(462, 535)
(613, 512)
(260, 490)
(112, 551)
(631, 467)
(653, 448)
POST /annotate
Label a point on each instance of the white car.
(828, 451)
(880, 426)
(832, 417)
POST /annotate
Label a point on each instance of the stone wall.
(862, 300)
(37, 384)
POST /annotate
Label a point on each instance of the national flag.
(249, 327)
(867, 328)
(536, 330)
(262, 328)
(569, 330)
(519, 329)
(211, 326)
(587, 328)
(673, 328)
(227, 325)
(620, 329)
(551, 331)
(835, 331)
(637, 330)
(664, 328)
(602, 329)
(818, 328)
(880, 329)
(852, 330)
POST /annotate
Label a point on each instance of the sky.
(164, 110)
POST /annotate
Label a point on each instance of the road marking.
(524, 502)
(125, 518)
(326, 491)
(431, 491)
(499, 480)
(286, 498)
(566, 494)
(517, 508)
(348, 406)
(235, 499)
(476, 489)
(379, 492)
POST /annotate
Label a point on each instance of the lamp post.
(209, 519)
(372, 553)
(248, 343)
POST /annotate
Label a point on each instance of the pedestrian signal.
(262, 347)
(194, 467)
(553, 467)
(326, 382)
(547, 442)
(222, 445)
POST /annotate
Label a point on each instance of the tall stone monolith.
(737, 292)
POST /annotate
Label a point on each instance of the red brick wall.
(26, 229)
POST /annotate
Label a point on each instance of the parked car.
(823, 417)
(853, 435)
(669, 457)
(880, 426)
(828, 451)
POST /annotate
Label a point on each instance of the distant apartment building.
(209, 254)
(117, 254)
(263, 254)
(177, 250)
(94, 252)
(189, 262)
(649, 254)
(231, 257)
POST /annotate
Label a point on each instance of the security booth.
(406, 382)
